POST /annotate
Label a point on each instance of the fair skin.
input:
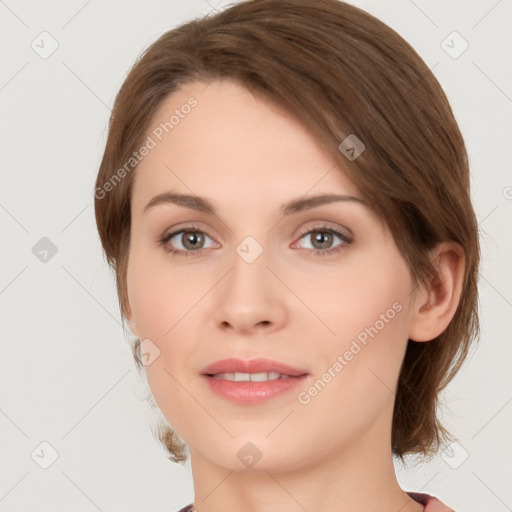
(248, 157)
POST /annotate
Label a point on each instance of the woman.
(284, 198)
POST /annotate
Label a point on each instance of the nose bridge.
(250, 295)
(250, 250)
(248, 276)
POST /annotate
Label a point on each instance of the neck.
(357, 477)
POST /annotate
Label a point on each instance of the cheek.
(149, 294)
(359, 366)
(367, 290)
(366, 311)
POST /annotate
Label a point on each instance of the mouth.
(252, 377)
(250, 382)
(255, 370)
(252, 388)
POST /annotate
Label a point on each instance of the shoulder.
(432, 504)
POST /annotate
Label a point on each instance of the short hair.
(339, 71)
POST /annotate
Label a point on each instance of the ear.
(434, 306)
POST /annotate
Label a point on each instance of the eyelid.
(327, 225)
(187, 227)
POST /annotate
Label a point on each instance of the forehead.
(232, 144)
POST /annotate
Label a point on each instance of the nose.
(250, 298)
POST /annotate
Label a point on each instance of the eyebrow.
(203, 205)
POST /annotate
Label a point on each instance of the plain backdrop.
(68, 396)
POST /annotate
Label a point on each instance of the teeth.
(253, 377)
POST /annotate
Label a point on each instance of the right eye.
(190, 238)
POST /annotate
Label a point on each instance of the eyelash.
(347, 241)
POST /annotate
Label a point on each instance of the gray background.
(67, 376)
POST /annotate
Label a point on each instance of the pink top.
(432, 504)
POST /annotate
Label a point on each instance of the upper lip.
(259, 365)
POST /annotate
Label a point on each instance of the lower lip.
(247, 392)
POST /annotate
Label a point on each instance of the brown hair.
(341, 71)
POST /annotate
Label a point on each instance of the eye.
(190, 241)
(322, 238)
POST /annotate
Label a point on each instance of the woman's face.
(250, 281)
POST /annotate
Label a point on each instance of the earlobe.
(435, 306)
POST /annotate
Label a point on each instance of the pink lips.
(247, 392)
(260, 365)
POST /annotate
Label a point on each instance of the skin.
(248, 156)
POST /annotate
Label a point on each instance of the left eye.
(324, 238)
